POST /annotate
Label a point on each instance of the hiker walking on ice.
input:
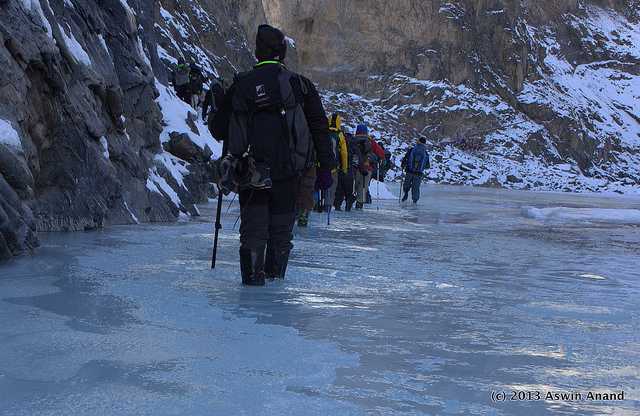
(276, 128)
(414, 163)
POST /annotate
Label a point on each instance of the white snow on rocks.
(622, 36)
(175, 113)
(168, 17)
(34, 6)
(158, 184)
(142, 52)
(580, 215)
(9, 136)
(175, 166)
(105, 147)
(127, 8)
(133, 216)
(163, 54)
(75, 48)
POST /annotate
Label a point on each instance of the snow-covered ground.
(404, 310)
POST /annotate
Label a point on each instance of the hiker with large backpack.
(196, 84)
(181, 81)
(340, 155)
(276, 129)
(213, 99)
(414, 163)
(344, 190)
(364, 155)
(376, 159)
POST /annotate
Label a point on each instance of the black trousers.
(268, 216)
(344, 191)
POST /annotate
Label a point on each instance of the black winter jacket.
(311, 103)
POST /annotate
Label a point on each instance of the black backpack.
(269, 123)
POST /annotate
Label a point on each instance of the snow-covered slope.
(573, 125)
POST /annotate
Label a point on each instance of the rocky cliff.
(524, 94)
(90, 135)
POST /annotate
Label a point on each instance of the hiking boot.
(252, 267)
(405, 197)
(303, 219)
(276, 264)
(338, 208)
(359, 205)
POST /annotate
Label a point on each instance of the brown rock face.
(496, 72)
(343, 42)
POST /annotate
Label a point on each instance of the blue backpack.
(418, 159)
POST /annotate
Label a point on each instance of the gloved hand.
(324, 179)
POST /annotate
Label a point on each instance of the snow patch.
(133, 216)
(177, 170)
(380, 190)
(105, 147)
(175, 112)
(75, 48)
(142, 52)
(127, 8)
(163, 54)
(9, 136)
(572, 215)
(34, 6)
(103, 43)
(157, 183)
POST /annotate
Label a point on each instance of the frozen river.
(415, 310)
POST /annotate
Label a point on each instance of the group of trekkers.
(357, 159)
(189, 84)
(283, 157)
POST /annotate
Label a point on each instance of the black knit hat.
(423, 140)
(270, 44)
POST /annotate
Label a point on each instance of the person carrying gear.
(414, 163)
(213, 98)
(384, 166)
(180, 81)
(364, 157)
(196, 83)
(276, 126)
(341, 157)
(376, 159)
(344, 186)
(305, 196)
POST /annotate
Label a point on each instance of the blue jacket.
(416, 160)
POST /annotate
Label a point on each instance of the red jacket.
(378, 151)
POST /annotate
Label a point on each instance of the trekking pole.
(401, 189)
(218, 225)
(328, 215)
(378, 190)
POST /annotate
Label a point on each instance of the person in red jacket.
(374, 167)
(371, 153)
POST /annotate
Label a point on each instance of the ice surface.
(421, 310)
(9, 136)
